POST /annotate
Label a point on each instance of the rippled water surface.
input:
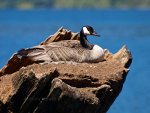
(27, 28)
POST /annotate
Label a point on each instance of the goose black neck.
(84, 42)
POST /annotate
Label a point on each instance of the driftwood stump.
(64, 87)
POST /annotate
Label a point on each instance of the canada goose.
(66, 50)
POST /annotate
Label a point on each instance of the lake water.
(27, 28)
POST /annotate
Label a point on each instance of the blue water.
(27, 28)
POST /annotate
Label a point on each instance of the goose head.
(88, 30)
(85, 31)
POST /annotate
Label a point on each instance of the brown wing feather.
(69, 50)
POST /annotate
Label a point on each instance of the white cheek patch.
(85, 30)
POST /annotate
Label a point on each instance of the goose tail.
(32, 54)
(23, 58)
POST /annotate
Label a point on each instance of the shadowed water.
(26, 28)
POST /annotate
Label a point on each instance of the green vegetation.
(74, 3)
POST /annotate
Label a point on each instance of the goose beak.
(95, 34)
